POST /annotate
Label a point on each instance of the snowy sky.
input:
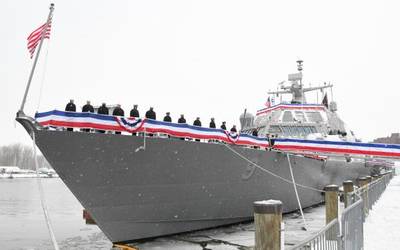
(203, 58)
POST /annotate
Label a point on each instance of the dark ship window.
(296, 130)
(314, 116)
(300, 116)
(287, 116)
(275, 116)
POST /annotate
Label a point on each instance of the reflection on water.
(22, 224)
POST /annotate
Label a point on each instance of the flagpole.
(21, 110)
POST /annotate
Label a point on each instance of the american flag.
(35, 37)
(268, 102)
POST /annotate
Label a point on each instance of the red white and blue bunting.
(338, 147)
(57, 118)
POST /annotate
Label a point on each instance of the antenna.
(299, 65)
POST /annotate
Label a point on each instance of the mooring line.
(295, 190)
(42, 201)
(271, 173)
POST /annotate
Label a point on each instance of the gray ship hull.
(176, 186)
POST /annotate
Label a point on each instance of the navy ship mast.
(295, 86)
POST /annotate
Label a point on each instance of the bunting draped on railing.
(338, 147)
(57, 118)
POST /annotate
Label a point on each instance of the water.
(22, 224)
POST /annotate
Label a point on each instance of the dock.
(240, 236)
(243, 236)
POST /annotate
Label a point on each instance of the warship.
(138, 187)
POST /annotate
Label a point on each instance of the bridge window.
(275, 116)
(296, 130)
(287, 116)
(300, 116)
(313, 116)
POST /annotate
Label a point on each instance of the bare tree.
(20, 155)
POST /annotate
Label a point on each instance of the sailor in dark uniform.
(182, 120)
(223, 126)
(103, 110)
(150, 114)
(134, 113)
(255, 133)
(167, 117)
(71, 108)
(87, 108)
(118, 111)
(233, 129)
(212, 123)
(197, 123)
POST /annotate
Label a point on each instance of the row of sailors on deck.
(150, 114)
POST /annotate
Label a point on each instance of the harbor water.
(22, 223)
(23, 226)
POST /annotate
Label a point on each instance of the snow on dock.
(240, 236)
(382, 226)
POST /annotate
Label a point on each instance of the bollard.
(359, 181)
(362, 182)
(331, 208)
(267, 222)
(331, 203)
(348, 187)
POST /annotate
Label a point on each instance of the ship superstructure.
(297, 118)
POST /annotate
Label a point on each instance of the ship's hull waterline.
(175, 186)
